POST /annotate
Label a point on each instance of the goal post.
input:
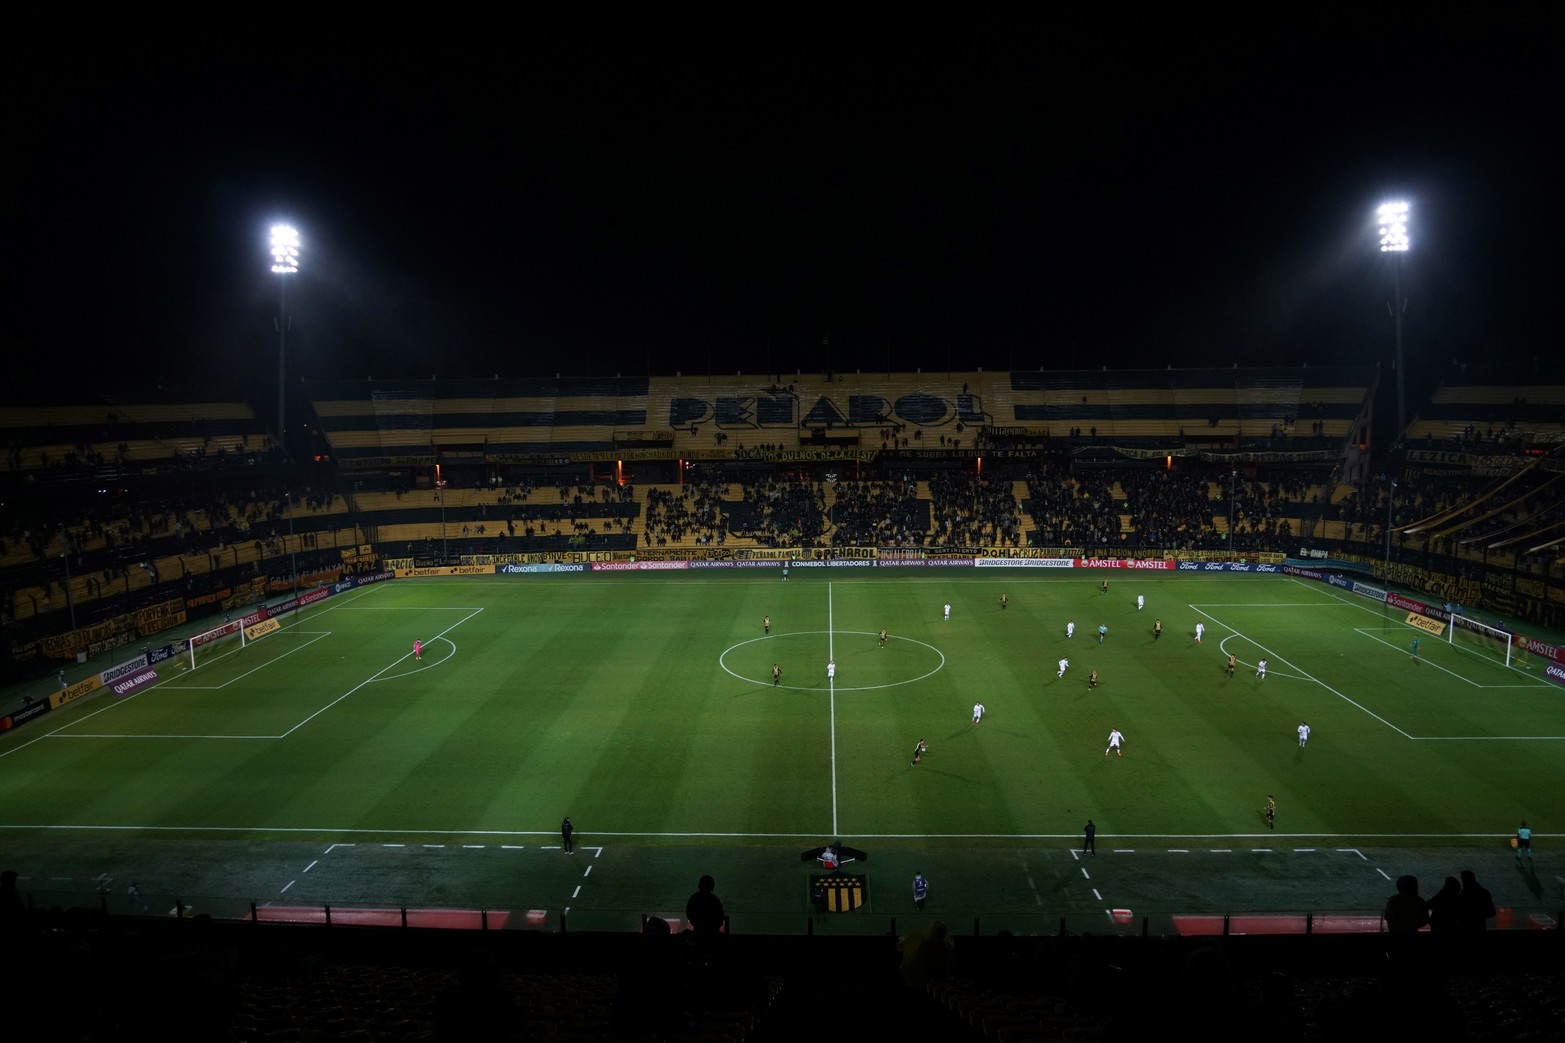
(1481, 637)
(209, 641)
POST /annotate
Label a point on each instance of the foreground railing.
(857, 922)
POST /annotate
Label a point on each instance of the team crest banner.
(843, 892)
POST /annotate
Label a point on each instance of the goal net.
(214, 643)
(1490, 642)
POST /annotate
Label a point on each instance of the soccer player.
(1260, 669)
(1232, 662)
(1115, 738)
(1103, 632)
(1141, 602)
(785, 572)
(1415, 648)
(1523, 841)
(1070, 629)
(831, 669)
(776, 674)
(1304, 734)
(1157, 629)
(766, 624)
(418, 649)
(1271, 811)
(1200, 628)
(920, 890)
(948, 612)
(919, 750)
(1092, 679)
(1064, 663)
(1003, 602)
(1105, 586)
(978, 713)
(882, 637)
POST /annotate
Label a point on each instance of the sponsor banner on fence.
(519, 570)
(313, 596)
(114, 673)
(1396, 600)
(1124, 563)
(734, 564)
(261, 629)
(446, 570)
(1432, 626)
(1339, 581)
(25, 714)
(1555, 673)
(1369, 590)
(198, 640)
(157, 655)
(928, 563)
(1025, 563)
(1230, 566)
(638, 566)
(1315, 574)
(373, 577)
(1542, 648)
(76, 691)
(140, 679)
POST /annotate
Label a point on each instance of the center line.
(831, 686)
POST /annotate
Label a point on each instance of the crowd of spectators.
(878, 514)
(972, 511)
(695, 508)
(1072, 510)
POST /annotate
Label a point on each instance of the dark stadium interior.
(1014, 292)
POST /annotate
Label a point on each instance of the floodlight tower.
(285, 262)
(1394, 241)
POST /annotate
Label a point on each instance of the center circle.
(858, 662)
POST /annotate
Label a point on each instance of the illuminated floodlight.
(285, 249)
(1393, 227)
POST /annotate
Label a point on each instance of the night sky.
(956, 195)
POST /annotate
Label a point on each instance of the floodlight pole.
(285, 262)
(293, 554)
(440, 491)
(1233, 478)
(1389, 498)
(1394, 240)
(1398, 305)
(70, 602)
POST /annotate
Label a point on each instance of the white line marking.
(1179, 851)
(597, 852)
(576, 892)
(1382, 872)
(831, 684)
(286, 886)
(1307, 675)
(1096, 895)
(361, 684)
(312, 865)
(1390, 838)
(1084, 874)
(589, 870)
(472, 847)
(513, 847)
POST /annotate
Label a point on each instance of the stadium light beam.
(285, 262)
(1393, 221)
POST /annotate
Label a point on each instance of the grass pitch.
(325, 764)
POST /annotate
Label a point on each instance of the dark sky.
(637, 199)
